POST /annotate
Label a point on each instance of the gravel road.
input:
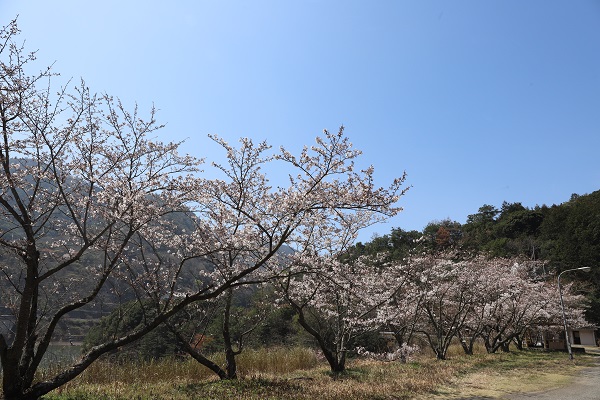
(586, 386)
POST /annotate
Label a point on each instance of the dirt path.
(585, 386)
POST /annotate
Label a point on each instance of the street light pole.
(562, 307)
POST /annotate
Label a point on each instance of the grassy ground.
(299, 374)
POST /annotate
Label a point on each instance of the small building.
(552, 337)
(584, 336)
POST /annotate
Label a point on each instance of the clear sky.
(479, 101)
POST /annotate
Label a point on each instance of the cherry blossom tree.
(260, 232)
(449, 290)
(236, 325)
(80, 181)
(335, 302)
(246, 232)
(402, 314)
(88, 199)
(338, 298)
(517, 301)
(489, 280)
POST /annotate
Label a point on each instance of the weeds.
(297, 374)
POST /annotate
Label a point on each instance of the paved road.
(586, 386)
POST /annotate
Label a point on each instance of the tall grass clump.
(172, 369)
(165, 369)
(278, 360)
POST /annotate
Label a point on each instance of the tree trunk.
(196, 355)
(440, 354)
(336, 360)
(337, 364)
(518, 342)
(17, 359)
(466, 345)
(231, 365)
(486, 343)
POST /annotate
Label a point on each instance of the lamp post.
(562, 307)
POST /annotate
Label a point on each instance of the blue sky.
(479, 101)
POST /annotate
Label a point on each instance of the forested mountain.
(565, 235)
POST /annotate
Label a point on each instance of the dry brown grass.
(296, 374)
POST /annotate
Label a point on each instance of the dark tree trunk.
(440, 354)
(231, 365)
(467, 347)
(518, 342)
(487, 344)
(196, 355)
(336, 360)
(17, 358)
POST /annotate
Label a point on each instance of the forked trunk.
(337, 362)
(440, 354)
(467, 347)
(231, 365)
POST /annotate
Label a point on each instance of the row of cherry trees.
(440, 298)
(437, 298)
